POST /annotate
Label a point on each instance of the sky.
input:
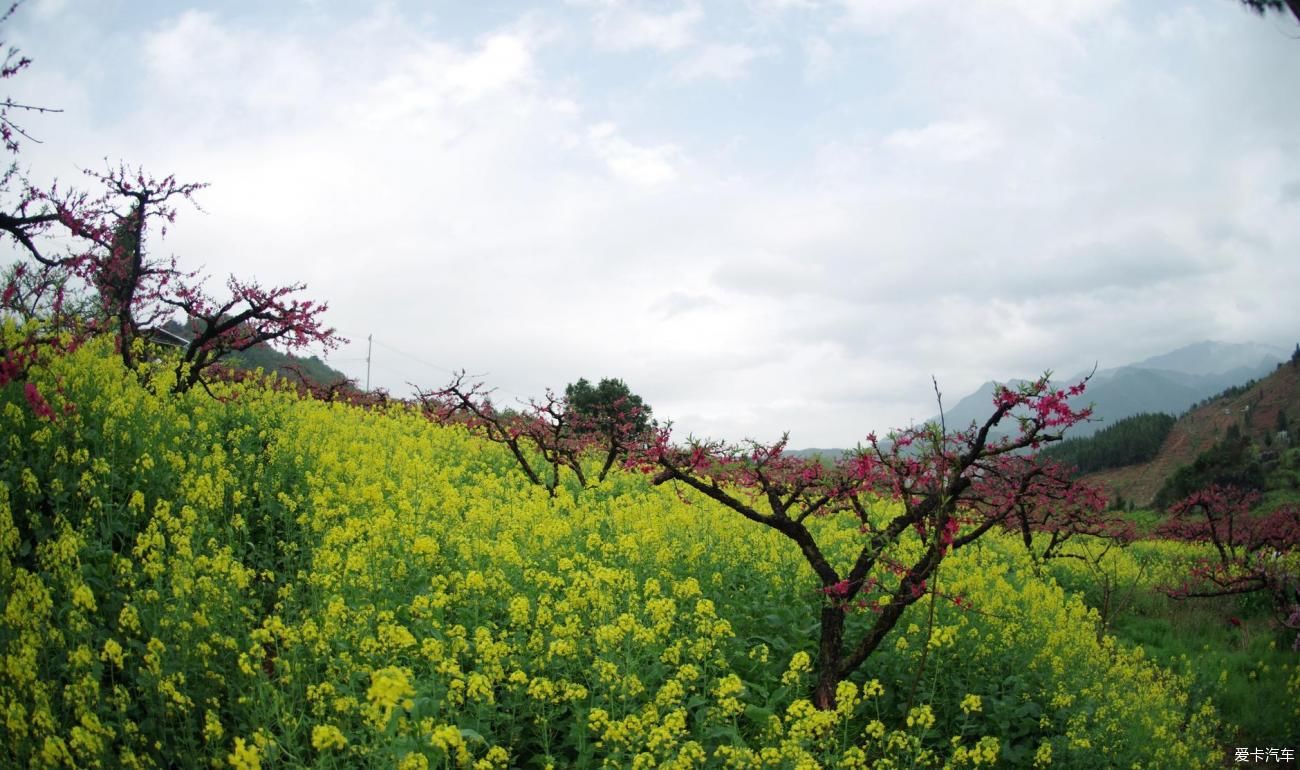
(763, 215)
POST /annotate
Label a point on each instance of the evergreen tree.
(1130, 441)
(1232, 462)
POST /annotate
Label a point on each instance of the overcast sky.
(764, 215)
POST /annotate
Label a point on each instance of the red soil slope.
(1254, 410)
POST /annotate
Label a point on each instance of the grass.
(1233, 649)
(1241, 667)
(1145, 520)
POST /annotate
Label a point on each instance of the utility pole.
(370, 345)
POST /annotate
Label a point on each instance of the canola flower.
(257, 580)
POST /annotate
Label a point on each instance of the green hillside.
(1242, 435)
(1129, 441)
(268, 359)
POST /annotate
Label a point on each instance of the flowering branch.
(952, 487)
(1251, 549)
(561, 433)
(250, 317)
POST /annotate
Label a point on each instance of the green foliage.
(1129, 441)
(1229, 647)
(270, 360)
(609, 402)
(1232, 461)
(1229, 392)
(1144, 520)
(54, 298)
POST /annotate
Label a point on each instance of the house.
(159, 335)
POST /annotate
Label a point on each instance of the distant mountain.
(815, 453)
(1170, 383)
(1215, 358)
(1259, 411)
(973, 408)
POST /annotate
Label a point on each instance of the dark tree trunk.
(828, 664)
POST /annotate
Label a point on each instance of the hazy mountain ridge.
(1210, 357)
(1171, 383)
(1254, 410)
(812, 453)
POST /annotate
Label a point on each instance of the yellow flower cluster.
(257, 580)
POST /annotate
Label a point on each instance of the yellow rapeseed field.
(259, 581)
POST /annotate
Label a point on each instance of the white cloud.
(622, 27)
(878, 15)
(503, 61)
(194, 46)
(958, 140)
(786, 5)
(678, 302)
(640, 165)
(1061, 12)
(49, 8)
(819, 56)
(718, 61)
(985, 191)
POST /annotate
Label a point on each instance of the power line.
(414, 358)
(417, 359)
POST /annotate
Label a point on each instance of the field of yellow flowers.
(255, 580)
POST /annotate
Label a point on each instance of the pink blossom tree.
(947, 489)
(24, 217)
(1050, 510)
(105, 246)
(1250, 549)
(550, 437)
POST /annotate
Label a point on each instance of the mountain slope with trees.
(1130, 441)
(1257, 415)
(312, 370)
